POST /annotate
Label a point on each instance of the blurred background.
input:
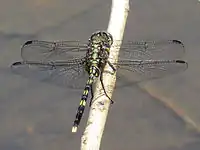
(156, 115)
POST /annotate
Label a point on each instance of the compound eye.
(108, 38)
(102, 37)
(96, 38)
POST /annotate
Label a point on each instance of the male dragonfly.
(75, 64)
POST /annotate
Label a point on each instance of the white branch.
(91, 138)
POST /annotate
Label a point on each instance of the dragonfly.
(78, 64)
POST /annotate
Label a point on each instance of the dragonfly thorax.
(98, 50)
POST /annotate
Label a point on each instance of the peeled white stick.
(91, 138)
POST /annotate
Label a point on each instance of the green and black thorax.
(98, 52)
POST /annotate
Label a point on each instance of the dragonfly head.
(102, 38)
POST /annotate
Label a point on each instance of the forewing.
(152, 50)
(44, 51)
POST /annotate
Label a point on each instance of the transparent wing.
(145, 60)
(62, 74)
(44, 51)
(152, 50)
(139, 70)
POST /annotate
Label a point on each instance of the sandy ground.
(38, 116)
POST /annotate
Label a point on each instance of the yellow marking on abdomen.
(85, 92)
(82, 103)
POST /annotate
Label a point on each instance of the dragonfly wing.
(139, 70)
(63, 75)
(44, 51)
(152, 50)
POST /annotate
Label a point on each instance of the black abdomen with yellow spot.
(84, 97)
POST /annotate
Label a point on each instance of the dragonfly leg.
(111, 65)
(92, 96)
(101, 80)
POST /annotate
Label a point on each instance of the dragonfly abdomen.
(93, 73)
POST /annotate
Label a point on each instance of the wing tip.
(178, 42)
(28, 42)
(182, 62)
(15, 64)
